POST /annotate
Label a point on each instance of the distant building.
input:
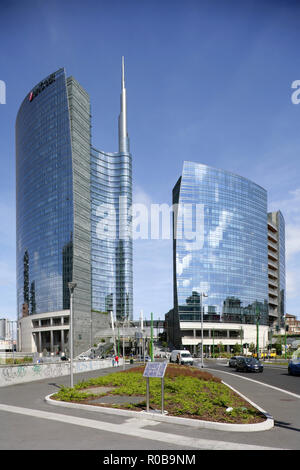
(276, 268)
(292, 323)
(7, 335)
(5, 329)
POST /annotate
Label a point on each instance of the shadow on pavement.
(282, 424)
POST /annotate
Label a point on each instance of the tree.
(237, 348)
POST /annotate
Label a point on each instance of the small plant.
(189, 392)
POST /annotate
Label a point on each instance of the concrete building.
(293, 325)
(5, 329)
(276, 268)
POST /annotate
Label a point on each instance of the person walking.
(117, 360)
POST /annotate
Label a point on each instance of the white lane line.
(129, 429)
(256, 381)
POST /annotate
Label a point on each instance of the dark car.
(232, 361)
(64, 358)
(249, 364)
(294, 366)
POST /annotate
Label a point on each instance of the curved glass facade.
(62, 187)
(228, 260)
(111, 192)
(44, 198)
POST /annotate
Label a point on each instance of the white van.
(183, 357)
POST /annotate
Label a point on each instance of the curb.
(143, 415)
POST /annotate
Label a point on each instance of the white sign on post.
(155, 370)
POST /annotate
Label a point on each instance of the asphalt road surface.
(28, 422)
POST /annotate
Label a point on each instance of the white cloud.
(290, 209)
(141, 197)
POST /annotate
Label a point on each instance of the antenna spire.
(123, 73)
(123, 136)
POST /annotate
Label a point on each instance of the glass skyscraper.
(111, 248)
(228, 259)
(61, 185)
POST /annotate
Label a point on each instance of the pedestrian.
(113, 362)
(117, 360)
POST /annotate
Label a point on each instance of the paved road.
(276, 375)
(275, 391)
(28, 422)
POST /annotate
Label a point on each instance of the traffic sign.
(155, 369)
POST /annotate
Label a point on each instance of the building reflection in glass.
(230, 263)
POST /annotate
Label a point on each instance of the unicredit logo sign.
(41, 86)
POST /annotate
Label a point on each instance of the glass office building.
(220, 247)
(44, 197)
(60, 182)
(111, 184)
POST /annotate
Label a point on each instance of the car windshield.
(251, 360)
(296, 361)
(185, 355)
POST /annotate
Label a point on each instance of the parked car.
(232, 361)
(64, 358)
(294, 366)
(183, 357)
(249, 364)
(83, 357)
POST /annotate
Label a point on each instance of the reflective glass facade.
(111, 191)
(44, 198)
(228, 260)
(62, 183)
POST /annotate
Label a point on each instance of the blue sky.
(207, 81)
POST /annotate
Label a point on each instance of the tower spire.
(123, 136)
(123, 73)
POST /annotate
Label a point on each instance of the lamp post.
(257, 330)
(11, 334)
(71, 286)
(285, 339)
(152, 358)
(123, 348)
(242, 337)
(201, 307)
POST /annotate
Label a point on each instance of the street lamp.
(71, 286)
(202, 294)
(285, 340)
(257, 330)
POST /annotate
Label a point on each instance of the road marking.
(129, 428)
(257, 382)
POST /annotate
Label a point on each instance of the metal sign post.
(162, 394)
(155, 370)
(148, 394)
